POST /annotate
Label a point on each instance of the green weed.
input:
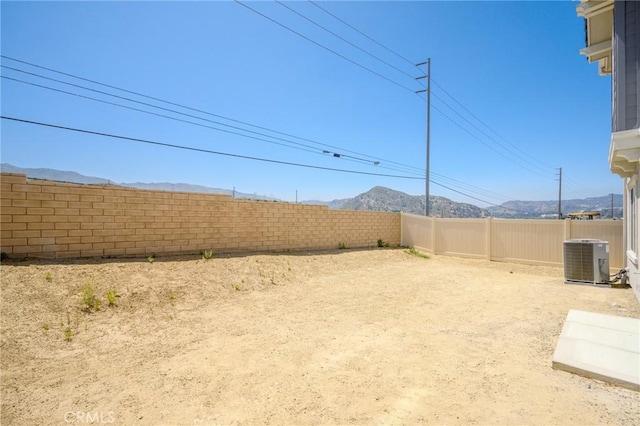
(207, 254)
(68, 332)
(89, 299)
(415, 252)
(48, 276)
(111, 297)
(151, 258)
(342, 245)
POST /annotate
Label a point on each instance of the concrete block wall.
(59, 220)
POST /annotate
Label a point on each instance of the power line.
(361, 33)
(345, 40)
(206, 112)
(325, 47)
(149, 112)
(489, 127)
(189, 115)
(448, 94)
(206, 151)
(486, 135)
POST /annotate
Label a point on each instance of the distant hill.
(73, 177)
(525, 209)
(377, 198)
(380, 198)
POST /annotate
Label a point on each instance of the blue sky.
(514, 65)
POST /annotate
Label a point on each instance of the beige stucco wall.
(57, 220)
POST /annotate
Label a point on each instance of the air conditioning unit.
(586, 261)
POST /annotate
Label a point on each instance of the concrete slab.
(598, 346)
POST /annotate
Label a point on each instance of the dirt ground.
(344, 337)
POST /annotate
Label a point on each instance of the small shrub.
(343, 246)
(45, 327)
(207, 254)
(111, 297)
(151, 258)
(383, 243)
(48, 276)
(89, 299)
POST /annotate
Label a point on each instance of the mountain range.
(377, 198)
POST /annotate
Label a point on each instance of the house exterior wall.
(626, 72)
(626, 118)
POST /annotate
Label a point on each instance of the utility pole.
(428, 91)
(560, 194)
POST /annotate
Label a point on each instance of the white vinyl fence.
(538, 242)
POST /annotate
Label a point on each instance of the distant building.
(613, 41)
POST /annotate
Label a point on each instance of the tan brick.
(114, 199)
(14, 242)
(26, 218)
(41, 241)
(55, 204)
(65, 211)
(68, 240)
(91, 197)
(26, 203)
(13, 226)
(14, 195)
(114, 225)
(55, 248)
(27, 249)
(26, 188)
(114, 252)
(66, 225)
(90, 212)
(81, 219)
(40, 225)
(13, 178)
(56, 219)
(27, 234)
(125, 244)
(80, 232)
(68, 255)
(54, 233)
(91, 225)
(91, 239)
(40, 211)
(80, 247)
(103, 246)
(14, 210)
(39, 196)
(80, 204)
(67, 197)
(91, 253)
(135, 250)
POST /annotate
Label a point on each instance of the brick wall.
(58, 220)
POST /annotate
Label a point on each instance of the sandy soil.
(345, 337)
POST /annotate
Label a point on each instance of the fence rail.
(538, 242)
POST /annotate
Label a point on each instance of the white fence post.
(488, 239)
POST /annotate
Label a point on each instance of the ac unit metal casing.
(586, 261)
